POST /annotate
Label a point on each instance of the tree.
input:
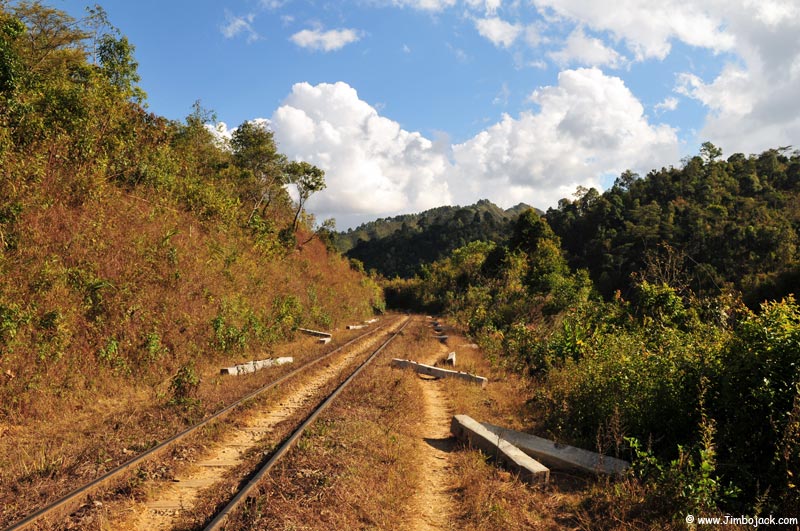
(710, 152)
(10, 29)
(254, 150)
(119, 67)
(308, 179)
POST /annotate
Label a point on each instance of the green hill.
(711, 224)
(398, 246)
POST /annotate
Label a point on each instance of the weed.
(111, 355)
(184, 387)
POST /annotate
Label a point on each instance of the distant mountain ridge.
(398, 245)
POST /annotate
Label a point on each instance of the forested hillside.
(719, 222)
(659, 346)
(398, 246)
(135, 250)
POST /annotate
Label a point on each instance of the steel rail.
(224, 514)
(73, 500)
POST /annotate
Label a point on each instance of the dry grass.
(355, 468)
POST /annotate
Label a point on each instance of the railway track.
(71, 502)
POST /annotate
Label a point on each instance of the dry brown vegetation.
(360, 465)
(118, 312)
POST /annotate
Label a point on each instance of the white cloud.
(424, 5)
(234, 26)
(583, 50)
(406, 48)
(373, 166)
(587, 126)
(326, 41)
(500, 32)
(648, 27)
(668, 104)
(490, 7)
(753, 103)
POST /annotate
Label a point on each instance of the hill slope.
(397, 246)
(133, 248)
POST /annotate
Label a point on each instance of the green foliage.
(307, 179)
(735, 223)
(11, 28)
(111, 355)
(758, 396)
(398, 246)
(659, 304)
(689, 484)
(11, 319)
(183, 386)
(118, 65)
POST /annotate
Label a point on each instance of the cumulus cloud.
(582, 50)
(753, 102)
(587, 126)
(373, 166)
(668, 104)
(647, 27)
(235, 25)
(498, 31)
(326, 41)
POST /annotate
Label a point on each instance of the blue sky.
(410, 104)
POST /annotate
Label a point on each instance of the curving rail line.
(241, 496)
(72, 501)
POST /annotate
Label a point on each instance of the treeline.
(649, 351)
(398, 246)
(134, 248)
(723, 223)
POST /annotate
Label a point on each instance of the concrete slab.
(356, 327)
(557, 455)
(324, 340)
(253, 366)
(314, 332)
(451, 359)
(439, 373)
(467, 429)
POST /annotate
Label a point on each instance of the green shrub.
(757, 405)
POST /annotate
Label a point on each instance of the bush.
(757, 407)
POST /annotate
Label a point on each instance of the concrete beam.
(373, 320)
(451, 359)
(441, 338)
(356, 327)
(253, 366)
(439, 373)
(471, 431)
(314, 332)
(557, 455)
(324, 340)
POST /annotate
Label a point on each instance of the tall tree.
(254, 151)
(307, 179)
